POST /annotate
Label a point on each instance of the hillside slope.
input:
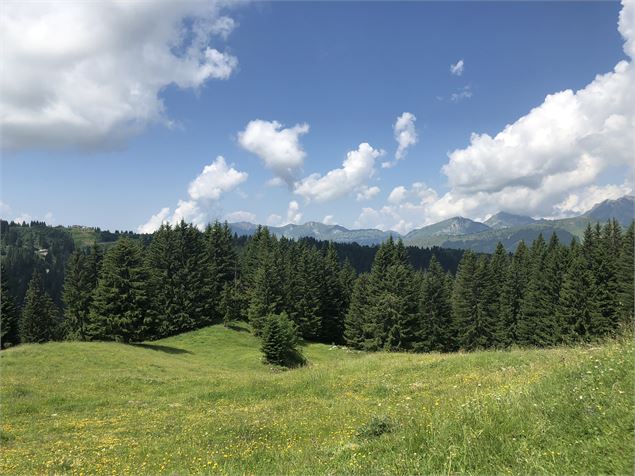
(202, 402)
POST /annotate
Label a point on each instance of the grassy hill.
(203, 403)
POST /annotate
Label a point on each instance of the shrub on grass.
(280, 340)
(377, 426)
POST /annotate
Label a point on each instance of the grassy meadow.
(203, 402)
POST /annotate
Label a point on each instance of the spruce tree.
(78, 293)
(8, 314)
(625, 277)
(576, 307)
(120, 310)
(266, 296)
(605, 269)
(332, 294)
(356, 320)
(512, 294)
(279, 341)
(40, 321)
(435, 311)
(465, 301)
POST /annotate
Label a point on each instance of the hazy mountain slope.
(508, 220)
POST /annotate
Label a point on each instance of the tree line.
(184, 279)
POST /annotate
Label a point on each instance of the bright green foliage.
(40, 320)
(121, 308)
(8, 314)
(280, 340)
(435, 311)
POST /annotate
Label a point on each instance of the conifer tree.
(78, 292)
(576, 306)
(347, 282)
(222, 261)
(266, 296)
(8, 314)
(512, 294)
(537, 324)
(120, 310)
(355, 321)
(465, 301)
(230, 303)
(332, 308)
(279, 341)
(626, 288)
(605, 270)
(435, 311)
(40, 321)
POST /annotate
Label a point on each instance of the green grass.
(204, 403)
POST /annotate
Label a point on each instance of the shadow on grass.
(163, 348)
(236, 327)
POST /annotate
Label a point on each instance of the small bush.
(377, 426)
(280, 340)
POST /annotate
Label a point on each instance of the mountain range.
(463, 233)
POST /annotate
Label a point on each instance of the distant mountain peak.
(508, 220)
(622, 209)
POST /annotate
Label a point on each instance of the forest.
(181, 279)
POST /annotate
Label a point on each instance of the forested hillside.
(184, 279)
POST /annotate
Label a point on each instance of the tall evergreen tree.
(605, 269)
(120, 310)
(332, 308)
(78, 293)
(513, 293)
(435, 311)
(355, 322)
(266, 296)
(8, 314)
(465, 301)
(626, 288)
(40, 321)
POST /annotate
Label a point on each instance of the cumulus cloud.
(356, 170)
(90, 74)
(366, 193)
(457, 68)
(405, 135)
(215, 179)
(293, 213)
(279, 148)
(547, 163)
(274, 220)
(204, 192)
(240, 215)
(329, 220)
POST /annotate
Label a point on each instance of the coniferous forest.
(544, 294)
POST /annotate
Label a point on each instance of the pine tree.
(605, 269)
(435, 311)
(537, 323)
(626, 288)
(266, 296)
(222, 262)
(40, 321)
(120, 310)
(8, 314)
(512, 294)
(230, 303)
(332, 295)
(576, 306)
(78, 293)
(355, 321)
(279, 341)
(347, 283)
(465, 301)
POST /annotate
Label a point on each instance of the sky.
(390, 115)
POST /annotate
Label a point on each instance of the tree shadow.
(236, 327)
(163, 348)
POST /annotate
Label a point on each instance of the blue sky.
(341, 72)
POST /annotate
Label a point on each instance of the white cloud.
(463, 93)
(275, 182)
(279, 148)
(274, 220)
(329, 220)
(155, 221)
(215, 179)
(366, 193)
(457, 68)
(23, 217)
(293, 213)
(405, 135)
(584, 199)
(356, 170)
(240, 215)
(397, 195)
(90, 74)
(204, 191)
(5, 209)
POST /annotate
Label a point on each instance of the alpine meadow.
(306, 238)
